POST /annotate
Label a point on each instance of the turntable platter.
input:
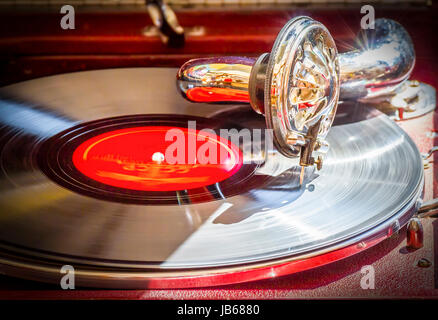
(371, 181)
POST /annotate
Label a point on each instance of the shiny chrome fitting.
(297, 86)
(414, 237)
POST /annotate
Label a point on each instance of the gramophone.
(189, 229)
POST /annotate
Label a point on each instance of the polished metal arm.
(383, 60)
(219, 79)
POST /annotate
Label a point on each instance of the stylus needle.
(301, 176)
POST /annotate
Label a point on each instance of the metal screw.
(424, 263)
(318, 163)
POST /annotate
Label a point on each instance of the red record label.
(157, 158)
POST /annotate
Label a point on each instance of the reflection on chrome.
(383, 60)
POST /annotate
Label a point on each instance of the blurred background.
(139, 33)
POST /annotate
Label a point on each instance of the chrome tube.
(384, 59)
(216, 79)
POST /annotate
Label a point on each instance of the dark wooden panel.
(33, 45)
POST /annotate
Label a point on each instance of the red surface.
(206, 94)
(130, 158)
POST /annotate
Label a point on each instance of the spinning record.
(83, 182)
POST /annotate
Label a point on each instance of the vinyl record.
(81, 183)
